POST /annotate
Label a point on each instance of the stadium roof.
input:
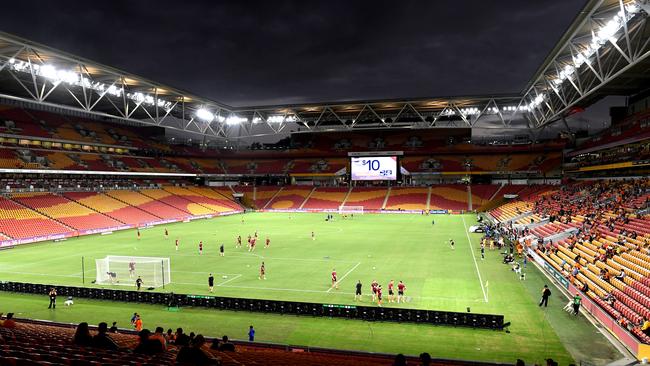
(605, 51)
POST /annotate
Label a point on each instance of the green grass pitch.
(381, 247)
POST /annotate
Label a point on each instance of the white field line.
(480, 280)
(231, 279)
(345, 275)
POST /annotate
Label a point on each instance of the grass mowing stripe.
(471, 249)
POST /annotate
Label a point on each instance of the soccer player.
(131, 269)
(391, 294)
(52, 295)
(482, 251)
(401, 287)
(262, 272)
(249, 241)
(166, 233)
(138, 283)
(451, 243)
(138, 233)
(201, 247)
(433, 222)
(238, 241)
(379, 295)
(313, 236)
(221, 251)
(268, 242)
(334, 279)
(357, 293)
(211, 282)
(373, 287)
(252, 246)
(177, 244)
(255, 234)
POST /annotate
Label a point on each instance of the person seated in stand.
(645, 327)
(621, 275)
(585, 287)
(226, 345)
(147, 345)
(194, 355)
(82, 335)
(102, 340)
(9, 322)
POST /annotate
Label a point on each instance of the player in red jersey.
(238, 241)
(131, 269)
(268, 242)
(262, 272)
(252, 246)
(373, 285)
(401, 287)
(335, 283)
(201, 247)
(379, 295)
(391, 294)
(249, 241)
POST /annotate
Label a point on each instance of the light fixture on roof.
(235, 120)
(205, 115)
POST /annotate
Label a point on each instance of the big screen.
(374, 168)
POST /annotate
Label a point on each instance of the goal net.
(124, 270)
(351, 210)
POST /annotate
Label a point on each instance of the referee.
(52, 295)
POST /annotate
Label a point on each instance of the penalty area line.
(231, 279)
(471, 249)
(345, 275)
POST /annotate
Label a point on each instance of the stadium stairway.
(326, 198)
(18, 221)
(407, 199)
(291, 197)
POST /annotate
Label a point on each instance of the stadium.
(480, 229)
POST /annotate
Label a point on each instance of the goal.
(351, 210)
(115, 270)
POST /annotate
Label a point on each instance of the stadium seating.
(448, 197)
(37, 343)
(112, 207)
(65, 211)
(223, 197)
(290, 197)
(369, 198)
(20, 222)
(201, 202)
(149, 204)
(261, 194)
(407, 199)
(482, 194)
(326, 198)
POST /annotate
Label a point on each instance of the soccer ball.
(374, 267)
(224, 276)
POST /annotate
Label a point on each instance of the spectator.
(520, 362)
(9, 322)
(194, 355)
(645, 327)
(170, 338)
(147, 346)
(226, 345)
(82, 335)
(181, 338)
(102, 340)
(425, 359)
(251, 334)
(113, 328)
(215, 344)
(159, 336)
(400, 360)
(621, 275)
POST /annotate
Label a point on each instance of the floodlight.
(205, 115)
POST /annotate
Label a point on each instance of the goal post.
(351, 210)
(124, 270)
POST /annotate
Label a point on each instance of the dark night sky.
(279, 52)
